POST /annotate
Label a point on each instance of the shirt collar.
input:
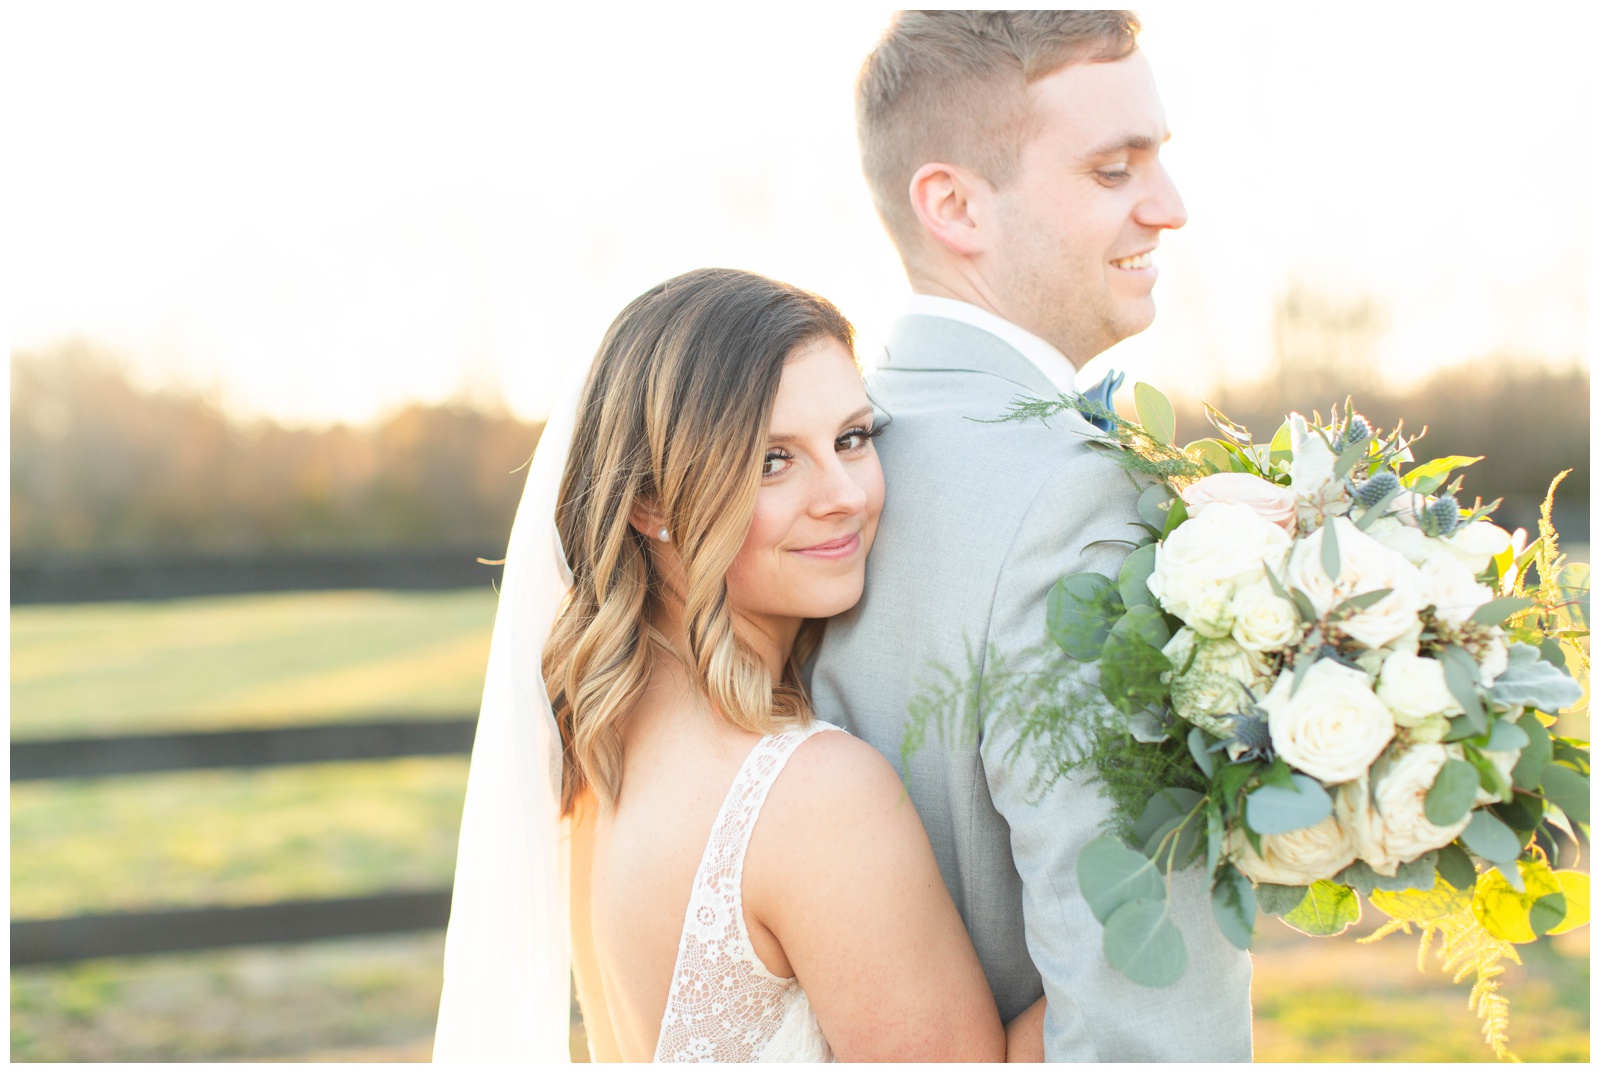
(1049, 361)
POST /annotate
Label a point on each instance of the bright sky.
(326, 209)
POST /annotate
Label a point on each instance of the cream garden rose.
(1449, 586)
(1413, 687)
(1294, 858)
(1364, 566)
(1387, 821)
(1333, 727)
(1206, 560)
(1477, 544)
(1263, 621)
(1270, 501)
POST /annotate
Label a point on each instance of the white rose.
(1263, 621)
(1395, 535)
(1312, 466)
(1413, 688)
(1477, 544)
(1364, 566)
(1450, 587)
(1493, 658)
(1294, 858)
(1333, 727)
(1227, 545)
(1210, 609)
(1272, 502)
(1387, 822)
(1216, 682)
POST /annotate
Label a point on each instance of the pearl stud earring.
(663, 536)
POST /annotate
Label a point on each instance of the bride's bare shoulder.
(836, 794)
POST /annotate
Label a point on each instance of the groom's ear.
(945, 198)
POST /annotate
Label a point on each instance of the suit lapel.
(937, 344)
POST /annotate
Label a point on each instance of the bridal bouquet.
(1330, 678)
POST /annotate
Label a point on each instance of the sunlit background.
(303, 276)
(327, 210)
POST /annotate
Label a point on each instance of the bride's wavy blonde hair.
(674, 415)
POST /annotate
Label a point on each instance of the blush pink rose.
(1272, 503)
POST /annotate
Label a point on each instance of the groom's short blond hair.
(951, 86)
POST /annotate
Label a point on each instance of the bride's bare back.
(840, 889)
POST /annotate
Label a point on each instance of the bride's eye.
(856, 439)
(775, 462)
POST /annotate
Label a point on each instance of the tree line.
(99, 464)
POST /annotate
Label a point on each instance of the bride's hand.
(1025, 1035)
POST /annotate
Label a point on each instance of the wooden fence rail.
(92, 757)
(47, 941)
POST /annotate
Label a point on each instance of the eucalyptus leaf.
(1452, 794)
(1417, 875)
(1110, 875)
(1499, 609)
(1079, 613)
(1145, 623)
(1233, 904)
(1155, 413)
(1151, 508)
(1273, 810)
(1327, 909)
(1330, 549)
(1171, 803)
(1491, 839)
(1359, 602)
(1530, 682)
(1461, 678)
(1211, 452)
(1302, 603)
(1132, 580)
(1535, 754)
(1370, 516)
(1216, 836)
(1568, 789)
(1350, 456)
(1198, 749)
(1505, 736)
(1456, 868)
(1143, 944)
(1508, 871)
(1168, 852)
(1177, 514)
(1276, 900)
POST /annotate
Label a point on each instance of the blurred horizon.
(323, 215)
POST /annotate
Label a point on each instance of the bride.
(652, 801)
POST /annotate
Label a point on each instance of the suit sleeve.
(1095, 1013)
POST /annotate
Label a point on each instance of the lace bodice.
(724, 1005)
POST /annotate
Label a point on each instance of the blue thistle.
(1370, 492)
(1443, 516)
(1356, 431)
(1250, 739)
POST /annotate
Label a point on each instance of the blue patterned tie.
(1101, 394)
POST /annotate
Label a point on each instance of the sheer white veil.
(507, 952)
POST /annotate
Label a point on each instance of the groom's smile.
(1077, 227)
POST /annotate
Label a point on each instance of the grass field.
(202, 838)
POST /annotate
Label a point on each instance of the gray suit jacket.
(979, 522)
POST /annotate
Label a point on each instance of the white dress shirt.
(1047, 358)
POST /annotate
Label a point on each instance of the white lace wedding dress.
(724, 1006)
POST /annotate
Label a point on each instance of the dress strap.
(724, 1003)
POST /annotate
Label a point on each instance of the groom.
(1013, 157)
